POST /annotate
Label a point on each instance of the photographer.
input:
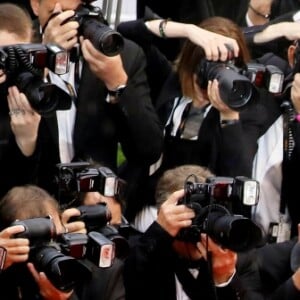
(277, 158)
(19, 281)
(19, 122)
(162, 266)
(203, 123)
(111, 106)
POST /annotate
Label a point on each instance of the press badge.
(279, 232)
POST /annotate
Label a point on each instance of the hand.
(78, 226)
(60, 31)
(47, 290)
(214, 44)
(17, 249)
(172, 217)
(24, 121)
(226, 113)
(223, 260)
(2, 76)
(108, 69)
(295, 92)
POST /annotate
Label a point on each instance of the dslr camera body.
(94, 27)
(83, 177)
(96, 219)
(237, 84)
(24, 66)
(61, 256)
(214, 203)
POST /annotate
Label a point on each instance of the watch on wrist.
(116, 93)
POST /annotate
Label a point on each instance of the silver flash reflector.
(61, 59)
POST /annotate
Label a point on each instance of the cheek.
(70, 4)
(92, 198)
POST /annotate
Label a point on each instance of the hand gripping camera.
(24, 66)
(61, 256)
(48, 254)
(214, 202)
(94, 27)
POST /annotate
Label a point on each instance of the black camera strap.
(288, 142)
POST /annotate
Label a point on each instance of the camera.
(214, 203)
(93, 216)
(93, 26)
(96, 218)
(46, 253)
(24, 65)
(83, 177)
(267, 76)
(61, 256)
(237, 84)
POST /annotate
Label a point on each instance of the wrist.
(224, 280)
(27, 146)
(115, 94)
(189, 29)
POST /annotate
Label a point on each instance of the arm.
(24, 123)
(151, 258)
(140, 131)
(288, 30)
(213, 44)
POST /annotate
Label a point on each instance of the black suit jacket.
(274, 265)
(100, 126)
(105, 283)
(149, 272)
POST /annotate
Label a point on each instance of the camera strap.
(73, 90)
(288, 143)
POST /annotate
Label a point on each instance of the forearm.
(171, 29)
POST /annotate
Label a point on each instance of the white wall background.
(128, 9)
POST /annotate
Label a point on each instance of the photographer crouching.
(165, 264)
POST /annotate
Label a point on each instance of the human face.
(45, 8)
(187, 250)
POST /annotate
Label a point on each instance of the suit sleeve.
(141, 133)
(16, 169)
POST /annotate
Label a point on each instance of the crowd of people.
(157, 160)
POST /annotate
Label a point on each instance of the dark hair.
(191, 54)
(16, 20)
(25, 202)
(173, 180)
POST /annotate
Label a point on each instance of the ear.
(35, 5)
(291, 55)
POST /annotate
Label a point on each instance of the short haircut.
(173, 180)
(14, 19)
(25, 202)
